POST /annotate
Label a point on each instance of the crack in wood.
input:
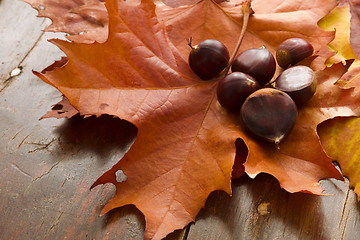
(42, 146)
(55, 223)
(62, 185)
(343, 233)
(22, 141)
(48, 172)
(343, 210)
(342, 215)
(15, 166)
(17, 133)
(41, 176)
(187, 231)
(54, 210)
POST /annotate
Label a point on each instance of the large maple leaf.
(185, 147)
(167, 102)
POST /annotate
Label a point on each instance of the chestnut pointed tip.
(269, 113)
(277, 142)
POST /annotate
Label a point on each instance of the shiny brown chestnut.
(233, 89)
(208, 58)
(292, 51)
(257, 62)
(299, 82)
(269, 113)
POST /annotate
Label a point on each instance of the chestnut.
(299, 82)
(292, 51)
(257, 62)
(233, 89)
(208, 58)
(269, 113)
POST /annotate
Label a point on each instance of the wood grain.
(48, 166)
(259, 209)
(19, 31)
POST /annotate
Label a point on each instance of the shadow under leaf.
(99, 135)
(260, 209)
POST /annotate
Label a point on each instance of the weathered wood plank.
(48, 166)
(259, 209)
(19, 31)
(350, 218)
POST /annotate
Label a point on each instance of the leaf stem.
(189, 41)
(247, 11)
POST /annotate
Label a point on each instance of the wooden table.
(48, 166)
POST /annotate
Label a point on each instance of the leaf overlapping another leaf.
(341, 138)
(185, 147)
(301, 159)
(272, 23)
(355, 25)
(340, 19)
(85, 21)
(179, 128)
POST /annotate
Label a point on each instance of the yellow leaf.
(339, 20)
(340, 138)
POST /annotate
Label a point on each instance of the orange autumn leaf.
(186, 143)
(352, 77)
(273, 22)
(85, 21)
(301, 153)
(62, 109)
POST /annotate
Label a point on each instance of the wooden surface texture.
(48, 166)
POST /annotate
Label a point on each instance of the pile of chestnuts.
(267, 108)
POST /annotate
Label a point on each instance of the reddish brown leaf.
(185, 146)
(85, 21)
(301, 155)
(352, 77)
(272, 23)
(62, 109)
(355, 26)
(190, 154)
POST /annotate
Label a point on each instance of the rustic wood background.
(48, 166)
